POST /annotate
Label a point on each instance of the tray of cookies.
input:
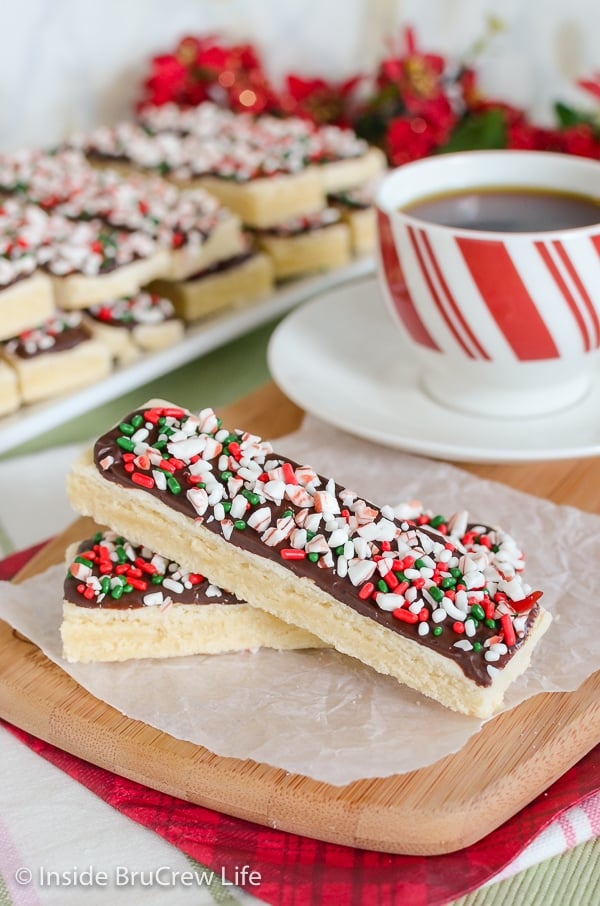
(185, 229)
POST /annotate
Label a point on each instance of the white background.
(68, 64)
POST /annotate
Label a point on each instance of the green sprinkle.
(477, 646)
(437, 630)
(105, 585)
(383, 586)
(229, 439)
(436, 593)
(448, 582)
(419, 564)
(495, 548)
(84, 560)
(121, 554)
(284, 514)
(157, 579)
(437, 521)
(253, 498)
(137, 421)
(160, 445)
(240, 524)
(162, 420)
(310, 536)
(227, 505)
(173, 485)
(225, 476)
(340, 550)
(491, 624)
(126, 444)
(127, 588)
(313, 557)
(126, 429)
(97, 537)
(478, 611)
(455, 571)
(116, 592)
(400, 576)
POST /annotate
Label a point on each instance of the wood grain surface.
(437, 809)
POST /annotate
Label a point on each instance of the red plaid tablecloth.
(298, 871)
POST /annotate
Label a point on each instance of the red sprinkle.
(386, 546)
(146, 481)
(423, 615)
(366, 591)
(508, 629)
(121, 569)
(129, 466)
(418, 583)
(172, 412)
(195, 578)
(167, 464)
(81, 588)
(89, 593)
(458, 627)
(406, 616)
(391, 580)
(137, 583)
(401, 587)
(292, 553)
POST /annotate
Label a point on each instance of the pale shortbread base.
(340, 175)
(225, 241)
(318, 250)
(10, 399)
(46, 376)
(363, 229)
(267, 584)
(235, 287)
(25, 305)
(267, 201)
(94, 634)
(128, 345)
(77, 291)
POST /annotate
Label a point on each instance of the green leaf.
(568, 116)
(478, 131)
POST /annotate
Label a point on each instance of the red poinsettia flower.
(592, 85)
(318, 100)
(410, 138)
(581, 140)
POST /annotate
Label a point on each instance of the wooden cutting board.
(437, 809)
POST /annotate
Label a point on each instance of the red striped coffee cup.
(500, 322)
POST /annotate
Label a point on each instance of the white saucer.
(341, 358)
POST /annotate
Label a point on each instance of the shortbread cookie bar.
(259, 176)
(131, 325)
(90, 262)
(346, 161)
(230, 283)
(343, 160)
(124, 601)
(25, 294)
(10, 399)
(401, 598)
(56, 357)
(303, 245)
(357, 210)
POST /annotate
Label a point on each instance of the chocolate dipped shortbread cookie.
(58, 356)
(123, 601)
(233, 282)
(25, 293)
(131, 325)
(308, 244)
(400, 597)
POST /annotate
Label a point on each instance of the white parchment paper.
(319, 713)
